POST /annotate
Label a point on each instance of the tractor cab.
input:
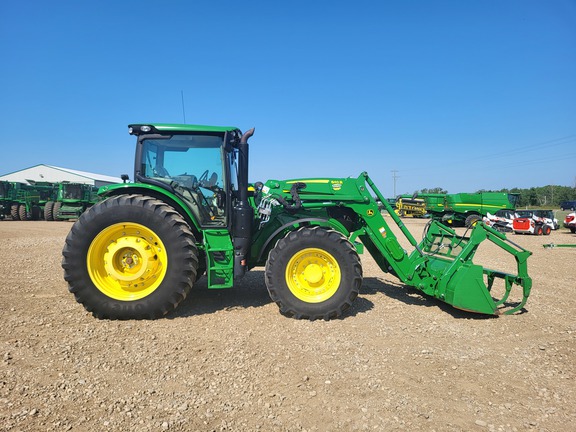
(196, 164)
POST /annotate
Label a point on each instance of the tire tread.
(274, 272)
(75, 272)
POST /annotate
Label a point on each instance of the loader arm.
(441, 265)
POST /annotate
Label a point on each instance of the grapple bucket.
(447, 260)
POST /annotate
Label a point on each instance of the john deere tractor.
(191, 211)
(21, 201)
(70, 201)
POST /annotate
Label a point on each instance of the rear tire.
(48, 211)
(538, 230)
(22, 213)
(313, 273)
(130, 257)
(56, 210)
(14, 213)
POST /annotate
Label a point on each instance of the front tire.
(313, 273)
(472, 220)
(130, 257)
(538, 230)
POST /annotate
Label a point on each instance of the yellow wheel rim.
(127, 261)
(313, 275)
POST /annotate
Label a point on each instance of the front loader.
(191, 211)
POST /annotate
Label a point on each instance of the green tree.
(437, 190)
(549, 196)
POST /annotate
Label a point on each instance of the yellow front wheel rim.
(127, 261)
(313, 275)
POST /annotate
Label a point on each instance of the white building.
(53, 174)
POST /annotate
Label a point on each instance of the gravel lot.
(228, 361)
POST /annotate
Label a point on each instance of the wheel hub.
(313, 275)
(127, 261)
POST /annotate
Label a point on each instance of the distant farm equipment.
(501, 221)
(552, 246)
(410, 207)
(465, 209)
(44, 200)
(72, 199)
(536, 222)
(570, 222)
(545, 217)
(19, 201)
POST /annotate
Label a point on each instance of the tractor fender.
(159, 193)
(302, 221)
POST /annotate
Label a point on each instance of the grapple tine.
(460, 281)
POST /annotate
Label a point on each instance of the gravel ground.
(228, 361)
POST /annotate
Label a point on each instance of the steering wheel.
(203, 178)
(208, 183)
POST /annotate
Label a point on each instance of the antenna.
(183, 109)
(394, 177)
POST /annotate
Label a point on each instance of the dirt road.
(228, 361)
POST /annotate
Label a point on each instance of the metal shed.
(53, 174)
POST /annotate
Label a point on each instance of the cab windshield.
(193, 166)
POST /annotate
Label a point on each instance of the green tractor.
(191, 211)
(6, 198)
(20, 201)
(72, 199)
(47, 193)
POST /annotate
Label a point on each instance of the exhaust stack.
(243, 213)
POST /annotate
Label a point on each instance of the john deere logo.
(370, 212)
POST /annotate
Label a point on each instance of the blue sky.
(463, 95)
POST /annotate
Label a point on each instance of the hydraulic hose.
(296, 187)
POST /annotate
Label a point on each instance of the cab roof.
(136, 128)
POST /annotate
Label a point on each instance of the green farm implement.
(71, 200)
(465, 209)
(552, 246)
(191, 211)
(19, 201)
(410, 207)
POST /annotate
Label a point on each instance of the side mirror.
(124, 177)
